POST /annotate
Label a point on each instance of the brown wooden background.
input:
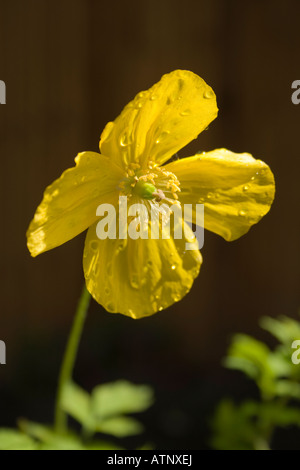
(69, 67)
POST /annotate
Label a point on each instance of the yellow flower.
(140, 277)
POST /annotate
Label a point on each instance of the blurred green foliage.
(103, 411)
(250, 425)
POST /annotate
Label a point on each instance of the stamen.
(155, 183)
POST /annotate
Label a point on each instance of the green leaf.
(286, 388)
(77, 403)
(120, 426)
(234, 426)
(120, 397)
(49, 439)
(280, 414)
(102, 445)
(63, 443)
(285, 329)
(253, 358)
(281, 365)
(12, 439)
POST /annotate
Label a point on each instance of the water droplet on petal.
(185, 113)
(124, 140)
(242, 213)
(162, 136)
(94, 245)
(153, 97)
(110, 307)
(170, 100)
(194, 272)
(173, 267)
(121, 246)
(208, 94)
(134, 281)
(245, 188)
(160, 308)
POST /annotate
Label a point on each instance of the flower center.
(144, 189)
(154, 184)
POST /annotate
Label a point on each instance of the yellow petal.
(138, 277)
(236, 189)
(69, 204)
(161, 120)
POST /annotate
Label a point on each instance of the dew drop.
(134, 281)
(160, 308)
(185, 113)
(122, 245)
(245, 188)
(153, 97)
(145, 270)
(110, 307)
(124, 140)
(208, 94)
(173, 267)
(176, 297)
(170, 100)
(162, 136)
(94, 245)
(242, 213)
(194, 272)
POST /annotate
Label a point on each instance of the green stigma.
(144, 189)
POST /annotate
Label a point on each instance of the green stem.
(69, 358)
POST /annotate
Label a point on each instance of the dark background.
(70, 66)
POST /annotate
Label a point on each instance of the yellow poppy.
(138, 277)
